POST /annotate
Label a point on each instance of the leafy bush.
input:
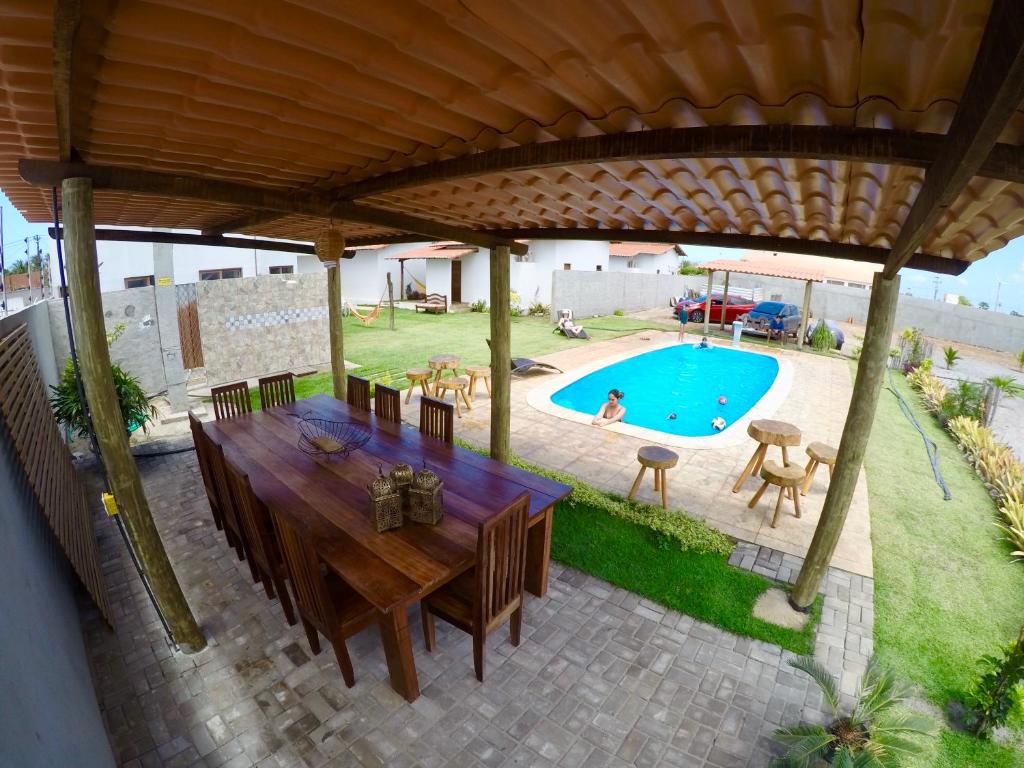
(619, 313)
(874, 733)
(515, 311)
(822, 339)
(966, 400)
(686, 267)
(998, 687)
(951, 355)
(1020, 360)
(67, 406)
(933, 392)
(855, 352)
(478, 306)
(540, 309)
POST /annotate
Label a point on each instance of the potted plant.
(136, 409)
(876, 732)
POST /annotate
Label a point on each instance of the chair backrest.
(225, 496)
(501, 560)
(277, 390)
(202, 445)
(303, 566)
(253, 518)
(358, 393)
(437, 419)
(231, 400)
(387, 403)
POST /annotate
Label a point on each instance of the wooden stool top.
(479, 370)
(418, 373)
(657, 457)
(786, 477)
(440, 362)
(822, 452)
(773, 432)
(455, 383)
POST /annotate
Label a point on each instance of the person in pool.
(703, 343)
(612, 410)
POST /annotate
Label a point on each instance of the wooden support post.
(334, 319)
(870, 375)
(725, 303)
(111, 433)
(501, 352)
(391, 304)
(803, 316)
(707, 304)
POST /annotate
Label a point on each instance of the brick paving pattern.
(602, 677)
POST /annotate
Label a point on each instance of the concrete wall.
(138, 350)
(589, 294)
(255, 326)
(476, 276)
(439, 277)
(48, 709)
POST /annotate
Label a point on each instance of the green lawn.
(945, 589)
(418, 336)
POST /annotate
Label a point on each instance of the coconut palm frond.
(806, 743)
(821, 676)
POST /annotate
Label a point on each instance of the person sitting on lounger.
(568, 327)
(612, 411)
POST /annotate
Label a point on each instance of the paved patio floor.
(702, 482)
(601, 678)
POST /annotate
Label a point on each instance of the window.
(600, 268)
(284, 269)
(835, 282)
(630, 263)
(140, 281)
(220, 274)
(567, 266)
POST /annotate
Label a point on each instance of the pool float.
(718, 423)
(722, 400)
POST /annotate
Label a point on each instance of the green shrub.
(67, 406)
(478, 306)
(998, 687)
(822, 339)
(951, 355)
(966, 400)
(540, 309)
(1020, 360)
(619, 313)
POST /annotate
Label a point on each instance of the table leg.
(796, 502)
(636, 483)
(812, 467)
(538, 552)
(664, 490)
(778, 506)
(437, 381)
(408, 394)
(754, 460)
(472, 383)
(394, 635)
(785, 457)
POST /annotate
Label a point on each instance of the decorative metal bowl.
(331, 439)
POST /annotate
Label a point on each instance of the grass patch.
(667, 557)
(418, 336)
(946, 591)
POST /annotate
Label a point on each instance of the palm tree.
(873, 735)
(951, 355)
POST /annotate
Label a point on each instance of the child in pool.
(611, 411)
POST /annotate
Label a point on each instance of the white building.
(460, 272)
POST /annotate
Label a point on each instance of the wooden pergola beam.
(66, 19)
(49, 173)
(869, 145)
(994, 92)
(825, 248)
(181, 238)
(237, 224)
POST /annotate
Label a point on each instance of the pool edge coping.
(539, 398)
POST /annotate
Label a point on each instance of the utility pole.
(3, 266)
(28, 263)
(935, 293)
(999, 287)
(42, 272)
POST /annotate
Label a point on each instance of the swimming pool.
(679, 379)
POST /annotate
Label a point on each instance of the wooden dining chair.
(437, 419)
(264, 553)
(277, 390)
(358, 393)
(228, 507)
(199, 440)
(387, 403)
(482, 599)
(231, 400)
(326, 604)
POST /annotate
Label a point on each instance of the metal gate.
(188, 326)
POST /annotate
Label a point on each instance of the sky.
(980, 282)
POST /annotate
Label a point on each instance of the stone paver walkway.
(601, 678)
(701, 483)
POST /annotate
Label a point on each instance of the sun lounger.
(568, 327)
(525, 364)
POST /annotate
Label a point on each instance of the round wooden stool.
(659, 459)
(459, 385)
(482, 372)
(820, 453)
(418, 376)
(767, 432)
(441, 363)
(787, 478)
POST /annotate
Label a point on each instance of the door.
(456, 282)
(188, 326)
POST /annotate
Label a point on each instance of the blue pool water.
(681, 380)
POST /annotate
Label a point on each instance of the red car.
(694, 308)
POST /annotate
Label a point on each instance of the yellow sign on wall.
(165, 281)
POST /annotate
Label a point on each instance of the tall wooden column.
(806, 312)
(707, 304)
(501, 352)
(725, 303)
(334, 319)
(111, 433)
(859, 419)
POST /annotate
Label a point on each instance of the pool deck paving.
(701, 483)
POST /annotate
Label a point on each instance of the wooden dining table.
(327, 499)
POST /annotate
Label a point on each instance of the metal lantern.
(426, 499)
(401, 479)
(329, 245)
(386, 503)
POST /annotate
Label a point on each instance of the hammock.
(370, 316)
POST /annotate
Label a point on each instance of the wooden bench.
(436, 303)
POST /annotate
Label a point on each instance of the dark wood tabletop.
(328, 498)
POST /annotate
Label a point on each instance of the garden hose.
(929, 444)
